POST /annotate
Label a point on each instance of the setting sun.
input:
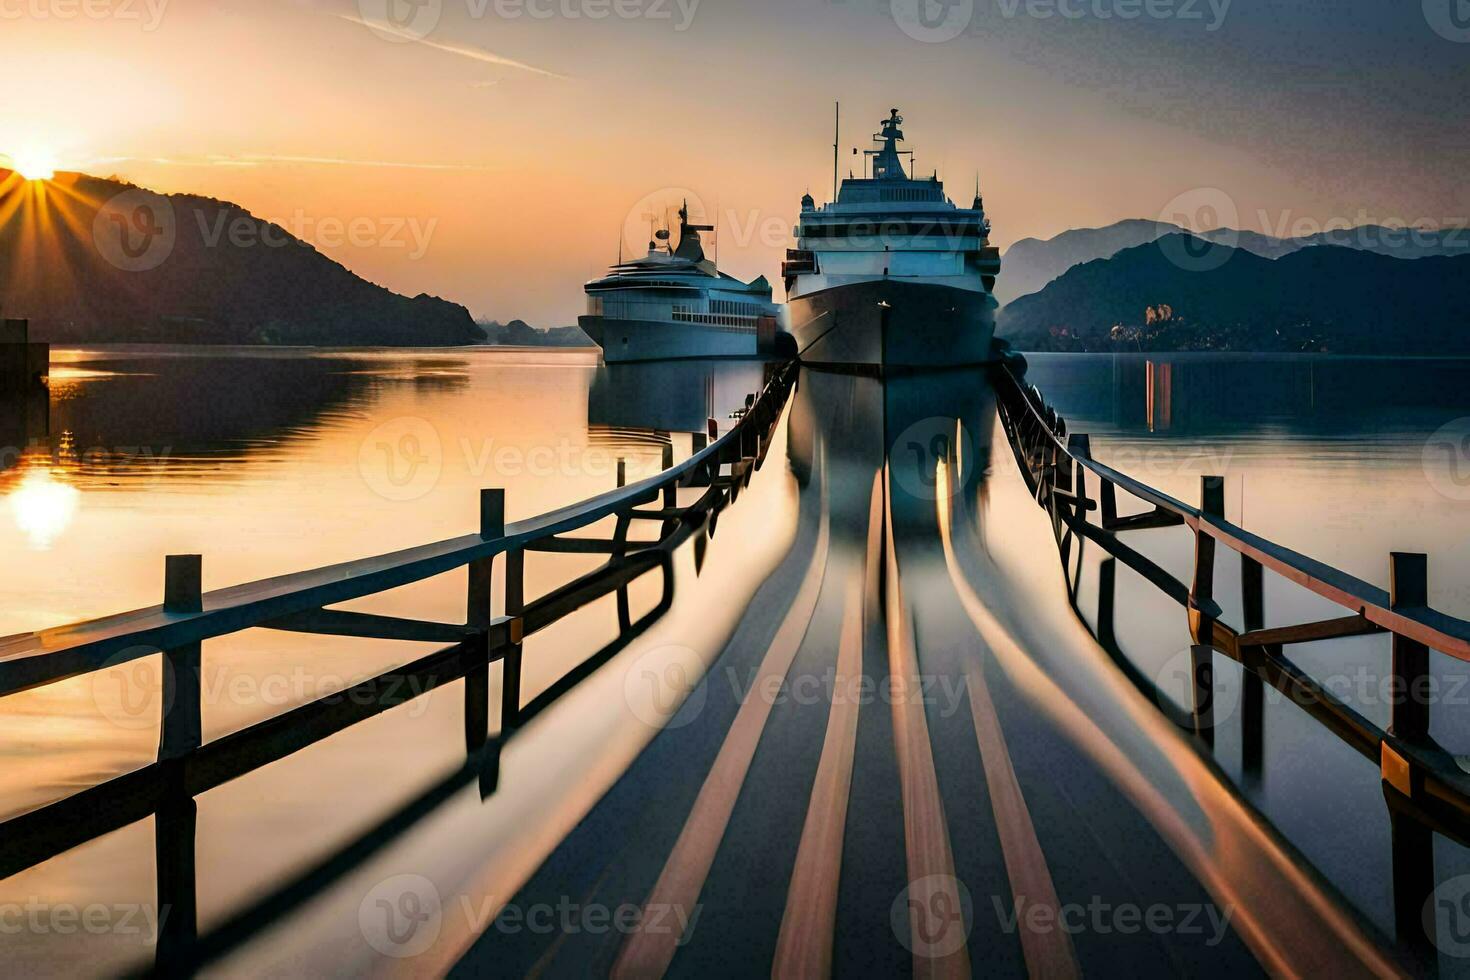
(34, 164)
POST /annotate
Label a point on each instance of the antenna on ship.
(836, 139)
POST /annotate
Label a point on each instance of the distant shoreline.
(300, 348)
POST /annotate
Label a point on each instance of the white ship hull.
(624, 341)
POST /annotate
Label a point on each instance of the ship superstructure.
(892, 273)
(674, 303)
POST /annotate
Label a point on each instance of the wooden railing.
(187, 765)
(1426, 789)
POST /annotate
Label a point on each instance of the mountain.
(92, 260)
(1323, 298)
(519, 333)
(1030, 263)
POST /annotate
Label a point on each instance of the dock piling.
(1201, 610)
(182, 720)
(515, 607)
(1253, 691)
(1409, 588)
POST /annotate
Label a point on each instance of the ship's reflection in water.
(669, 396)
(869, 734)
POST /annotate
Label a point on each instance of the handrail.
(187, 765)
(30, 660)
(1437, 630)
(1420, 776)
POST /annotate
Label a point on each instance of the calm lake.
(268, 462)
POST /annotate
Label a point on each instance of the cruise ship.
(892, 274)
(673, 303)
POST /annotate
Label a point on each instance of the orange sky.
(515, 147)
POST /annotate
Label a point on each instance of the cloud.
(474, 54)
(263, 159)
(257, 159)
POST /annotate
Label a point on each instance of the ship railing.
(1425, 787)
(187, 765)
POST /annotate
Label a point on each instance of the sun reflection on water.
(43, 507)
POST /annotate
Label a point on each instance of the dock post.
(1079, 447)
(181, 723)
(1253, 691)
(492, 527)
(180, 735)
(1408, 588)
(1412, 846)
(622, 472)
(1201, 610)
(671, 492)
(175, 828)
(698, 443)
(24, 367)
(1062, 468)
(478, 617)
(515, 607)
(1107, 590)
(1108, 501)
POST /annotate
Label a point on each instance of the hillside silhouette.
(92, 260)
(1182, 293)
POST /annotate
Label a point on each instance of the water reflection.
(669, 396)
(1345, 459)
(1235, 395)
(889, 528)
(42, 506)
